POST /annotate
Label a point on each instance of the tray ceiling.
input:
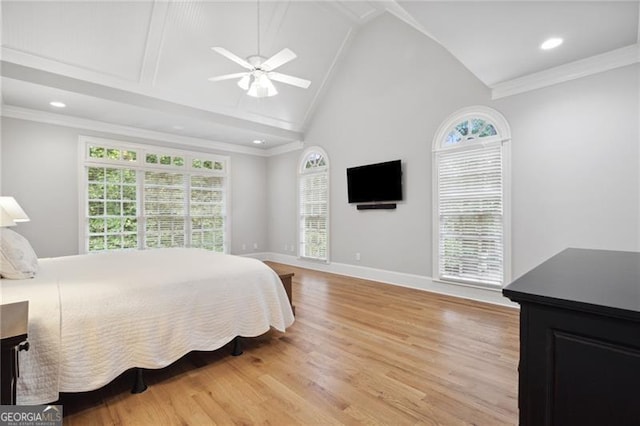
(145, 64)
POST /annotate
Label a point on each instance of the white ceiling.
(145, 64)
(499, 41)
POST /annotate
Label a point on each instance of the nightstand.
(14, 318)
(285, 277)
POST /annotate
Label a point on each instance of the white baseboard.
(396, 278)
(260, 256)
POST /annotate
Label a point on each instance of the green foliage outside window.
(111, 208)
(96, 152)
(113, 154)
(114, 198)
(129, 155)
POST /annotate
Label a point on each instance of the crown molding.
(596, 64)
(283, 149)
(100, 126)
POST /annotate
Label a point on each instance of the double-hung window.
(471, 198)
(142, 196)
(313, 205)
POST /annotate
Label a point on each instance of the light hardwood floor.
(359, 353)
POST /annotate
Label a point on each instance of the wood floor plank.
(359, 352)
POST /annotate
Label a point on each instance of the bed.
(92, 317)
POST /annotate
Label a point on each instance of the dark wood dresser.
(580, 339)
(14, 319)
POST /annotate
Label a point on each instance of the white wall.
(282, 213)
(40, 168)
(575, 167)
(249, 204)
(385, 102)
(575, 148)
(575, 154)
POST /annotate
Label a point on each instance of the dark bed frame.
(140, 386)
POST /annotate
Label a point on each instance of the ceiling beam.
(638, 39)
(400, 12)
(153, 45)
(323, 86)
(33, 75)
(173, 140)
(358, 12)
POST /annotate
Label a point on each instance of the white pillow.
(17, 258)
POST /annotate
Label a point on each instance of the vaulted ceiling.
(144, 64)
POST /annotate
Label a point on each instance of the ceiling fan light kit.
(257, 80)
(261, 86)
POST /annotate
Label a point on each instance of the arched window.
(471, 186)
(313, 205)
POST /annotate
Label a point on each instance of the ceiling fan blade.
(238, 60)
(280, 58)
(289, 79)
(229, 76)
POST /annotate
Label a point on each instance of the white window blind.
(314, 215)
(165, 209)
(470, 209)
(207, 212)
(140, 196)
(313, 198)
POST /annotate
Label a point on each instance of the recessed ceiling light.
(57, 104)
(258, 141)
(551, 43)
(177, 127)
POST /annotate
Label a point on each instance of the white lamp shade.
(5, 219)
(11, 212)
(261, 87)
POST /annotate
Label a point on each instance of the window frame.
(304, 172)
(140, 167)
(503, 138)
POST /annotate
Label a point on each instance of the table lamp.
(11, 212)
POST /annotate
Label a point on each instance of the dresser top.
(597, 281)
(14, 318)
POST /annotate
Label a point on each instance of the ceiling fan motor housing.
(256, 60)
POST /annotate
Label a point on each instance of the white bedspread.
(91, 317)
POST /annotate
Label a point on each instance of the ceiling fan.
(257, 80)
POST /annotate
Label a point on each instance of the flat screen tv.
(375, 182)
